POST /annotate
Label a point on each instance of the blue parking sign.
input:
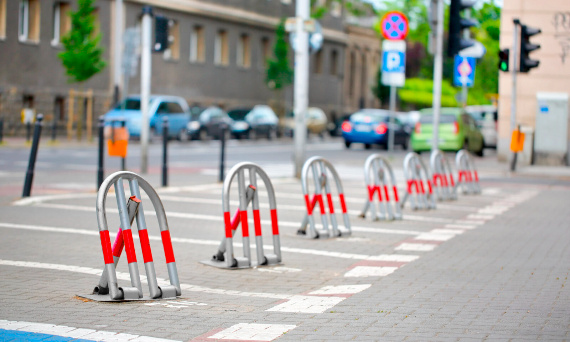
(463, 71)
(394, 61)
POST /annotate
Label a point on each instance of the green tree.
(279, 73)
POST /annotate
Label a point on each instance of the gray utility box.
(551, 130)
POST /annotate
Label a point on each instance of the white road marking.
(340, 289)
(176, 304)
(480, 217)
(460, 226)
(78, 333)
(307, 304)
(416, 247)
(470, 222)
(279, 269)
(253, 332)
(434, 237)
(446, 231)
(370, 271)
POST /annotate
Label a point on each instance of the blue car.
(172, 107)
(371, 126)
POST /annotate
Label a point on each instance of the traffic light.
(160, 34)
(504, 60)
(526, 47)
(457, 25)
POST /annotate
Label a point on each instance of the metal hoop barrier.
(443, 182)
(380, 178)
(108, 289)
(468, 179)
(225, 258)
(320, 167)
(417, 179)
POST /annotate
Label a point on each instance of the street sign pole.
(392, 123)
(437, 74)
(118, 49)
(466, 36)
(301, 84)
(516, 22)
(145, 84)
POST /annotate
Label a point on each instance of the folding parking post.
(320, 168)
(224, 258)
(443, 182)
(380, 178)
(417, 178)
(114, 292)
(468, 178)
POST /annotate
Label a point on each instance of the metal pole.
(118, 49)
(145, 84)
(466, 36)
(28, 131)
(53, 129)
(124, 159)
(516, 22)
(437, 75)
(101, 157)
(391, 126)
(1, 130)
(301, 84)
(222, 151)
(165, 151)
(33, 156)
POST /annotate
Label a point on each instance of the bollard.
(224, 258)
(467, 178)
(378, 174)
(28, 131)
(1, 131)
(101, 157)
(123, 159)
(417, 178)
(53, 129)
(33, 156)
(223, 129)
(165, 151)
(443, 182)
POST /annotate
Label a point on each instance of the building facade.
(217, 55)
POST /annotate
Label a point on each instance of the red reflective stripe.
(235, 220)
(274, 222)
(135, 199)
(145, 245)
(244, 224)
(118, 244)
(167, 243)
(476, 176)
(371, 193)
(106, 246)
(435, 177)
(410, 182)
(386, 193)
(331, 206)
(321, 203)
(228, 224)
(396, 194)
(342, 203)
(377, 188)
(257, 222)
(460, 176)
(451, 179)
(429, 187)
(309, 207)
(422, 188)
(129, 246)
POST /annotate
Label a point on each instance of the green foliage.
(82, 57)
(279, 73)
(356, 8)
(418, 93)
(379, 90)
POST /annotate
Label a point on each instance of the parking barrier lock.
(380, 178)
(114, 292)
(224, 257)
(320, 168)
(417, 179)
(468, 179)
(443, 182)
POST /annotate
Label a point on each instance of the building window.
(29, 20)
(319, 62)
(265, 51)
(197, 48)
(334, 62)
(243, 52)
(61, 21)
(286, 2)
(221, 53)
(2, 19)
(96, 22)
(173, 51)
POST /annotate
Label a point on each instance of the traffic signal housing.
(457, 25)
(527, 47)
(504, 60)
(160, 34)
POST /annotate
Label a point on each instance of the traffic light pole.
(118, 50)
(437, 74)
(146, 28)
(516, 22)
(301, 84)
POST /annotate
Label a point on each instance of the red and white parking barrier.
(380, 180)
(419, 188)
(468, 179)
(321, 168)
(224, 258)
(443, 182)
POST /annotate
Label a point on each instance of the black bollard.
(53, 129)
(33, 156)
(101, 157)
(123, 160)
(223, 129)
(164, 151)
(28, 130)
(1, 130)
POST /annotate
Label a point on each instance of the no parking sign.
(394, 25)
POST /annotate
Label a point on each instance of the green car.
(457, 130)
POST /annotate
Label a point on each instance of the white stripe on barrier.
(76, 333)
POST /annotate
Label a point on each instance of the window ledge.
(56, 44)
(197, 62)
(29, 42)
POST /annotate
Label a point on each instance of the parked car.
(194, 125)
(371, 126)
(316, 121)
(240, 127)
(486, 118)
(172, 107)
(457, 130)
(210, 122)
(336, 126)
(262, 121)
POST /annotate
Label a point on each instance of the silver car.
(486, 118)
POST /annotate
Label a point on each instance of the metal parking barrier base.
(380, 179)
(321, 168)
(417, 179)
(467, 177)
(442, 178)
(224, 257)
(108, 288)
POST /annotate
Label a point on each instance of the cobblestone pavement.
(492, 266)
